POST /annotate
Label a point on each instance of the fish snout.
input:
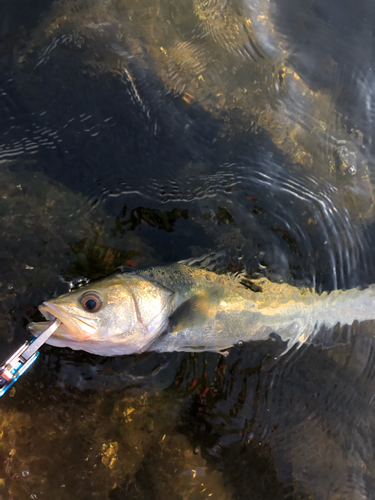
(78, 326)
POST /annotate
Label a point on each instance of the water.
(153, 132)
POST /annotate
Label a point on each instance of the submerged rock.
(226, 58)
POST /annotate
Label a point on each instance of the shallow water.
(157, 131)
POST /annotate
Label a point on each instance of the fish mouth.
(73, 325)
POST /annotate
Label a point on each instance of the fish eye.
(91, 301)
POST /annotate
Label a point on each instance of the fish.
(187, 306)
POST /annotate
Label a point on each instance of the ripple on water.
(324, 430)
(309, 410)
(143, 99)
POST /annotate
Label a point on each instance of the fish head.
(121, 314)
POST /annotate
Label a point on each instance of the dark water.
(151, 132)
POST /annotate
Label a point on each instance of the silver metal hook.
(23, 358)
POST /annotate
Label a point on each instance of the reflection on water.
(148, 132)
(228, 58)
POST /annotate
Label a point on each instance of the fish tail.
(345, 307)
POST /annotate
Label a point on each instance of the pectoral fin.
(197, 310)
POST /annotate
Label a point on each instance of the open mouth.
(73, 325)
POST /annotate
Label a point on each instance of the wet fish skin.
(179, 307)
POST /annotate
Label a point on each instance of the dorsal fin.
(215, 261)
(224, 262)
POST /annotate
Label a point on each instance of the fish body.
(180, 307)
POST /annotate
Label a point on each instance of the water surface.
(157, 131)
